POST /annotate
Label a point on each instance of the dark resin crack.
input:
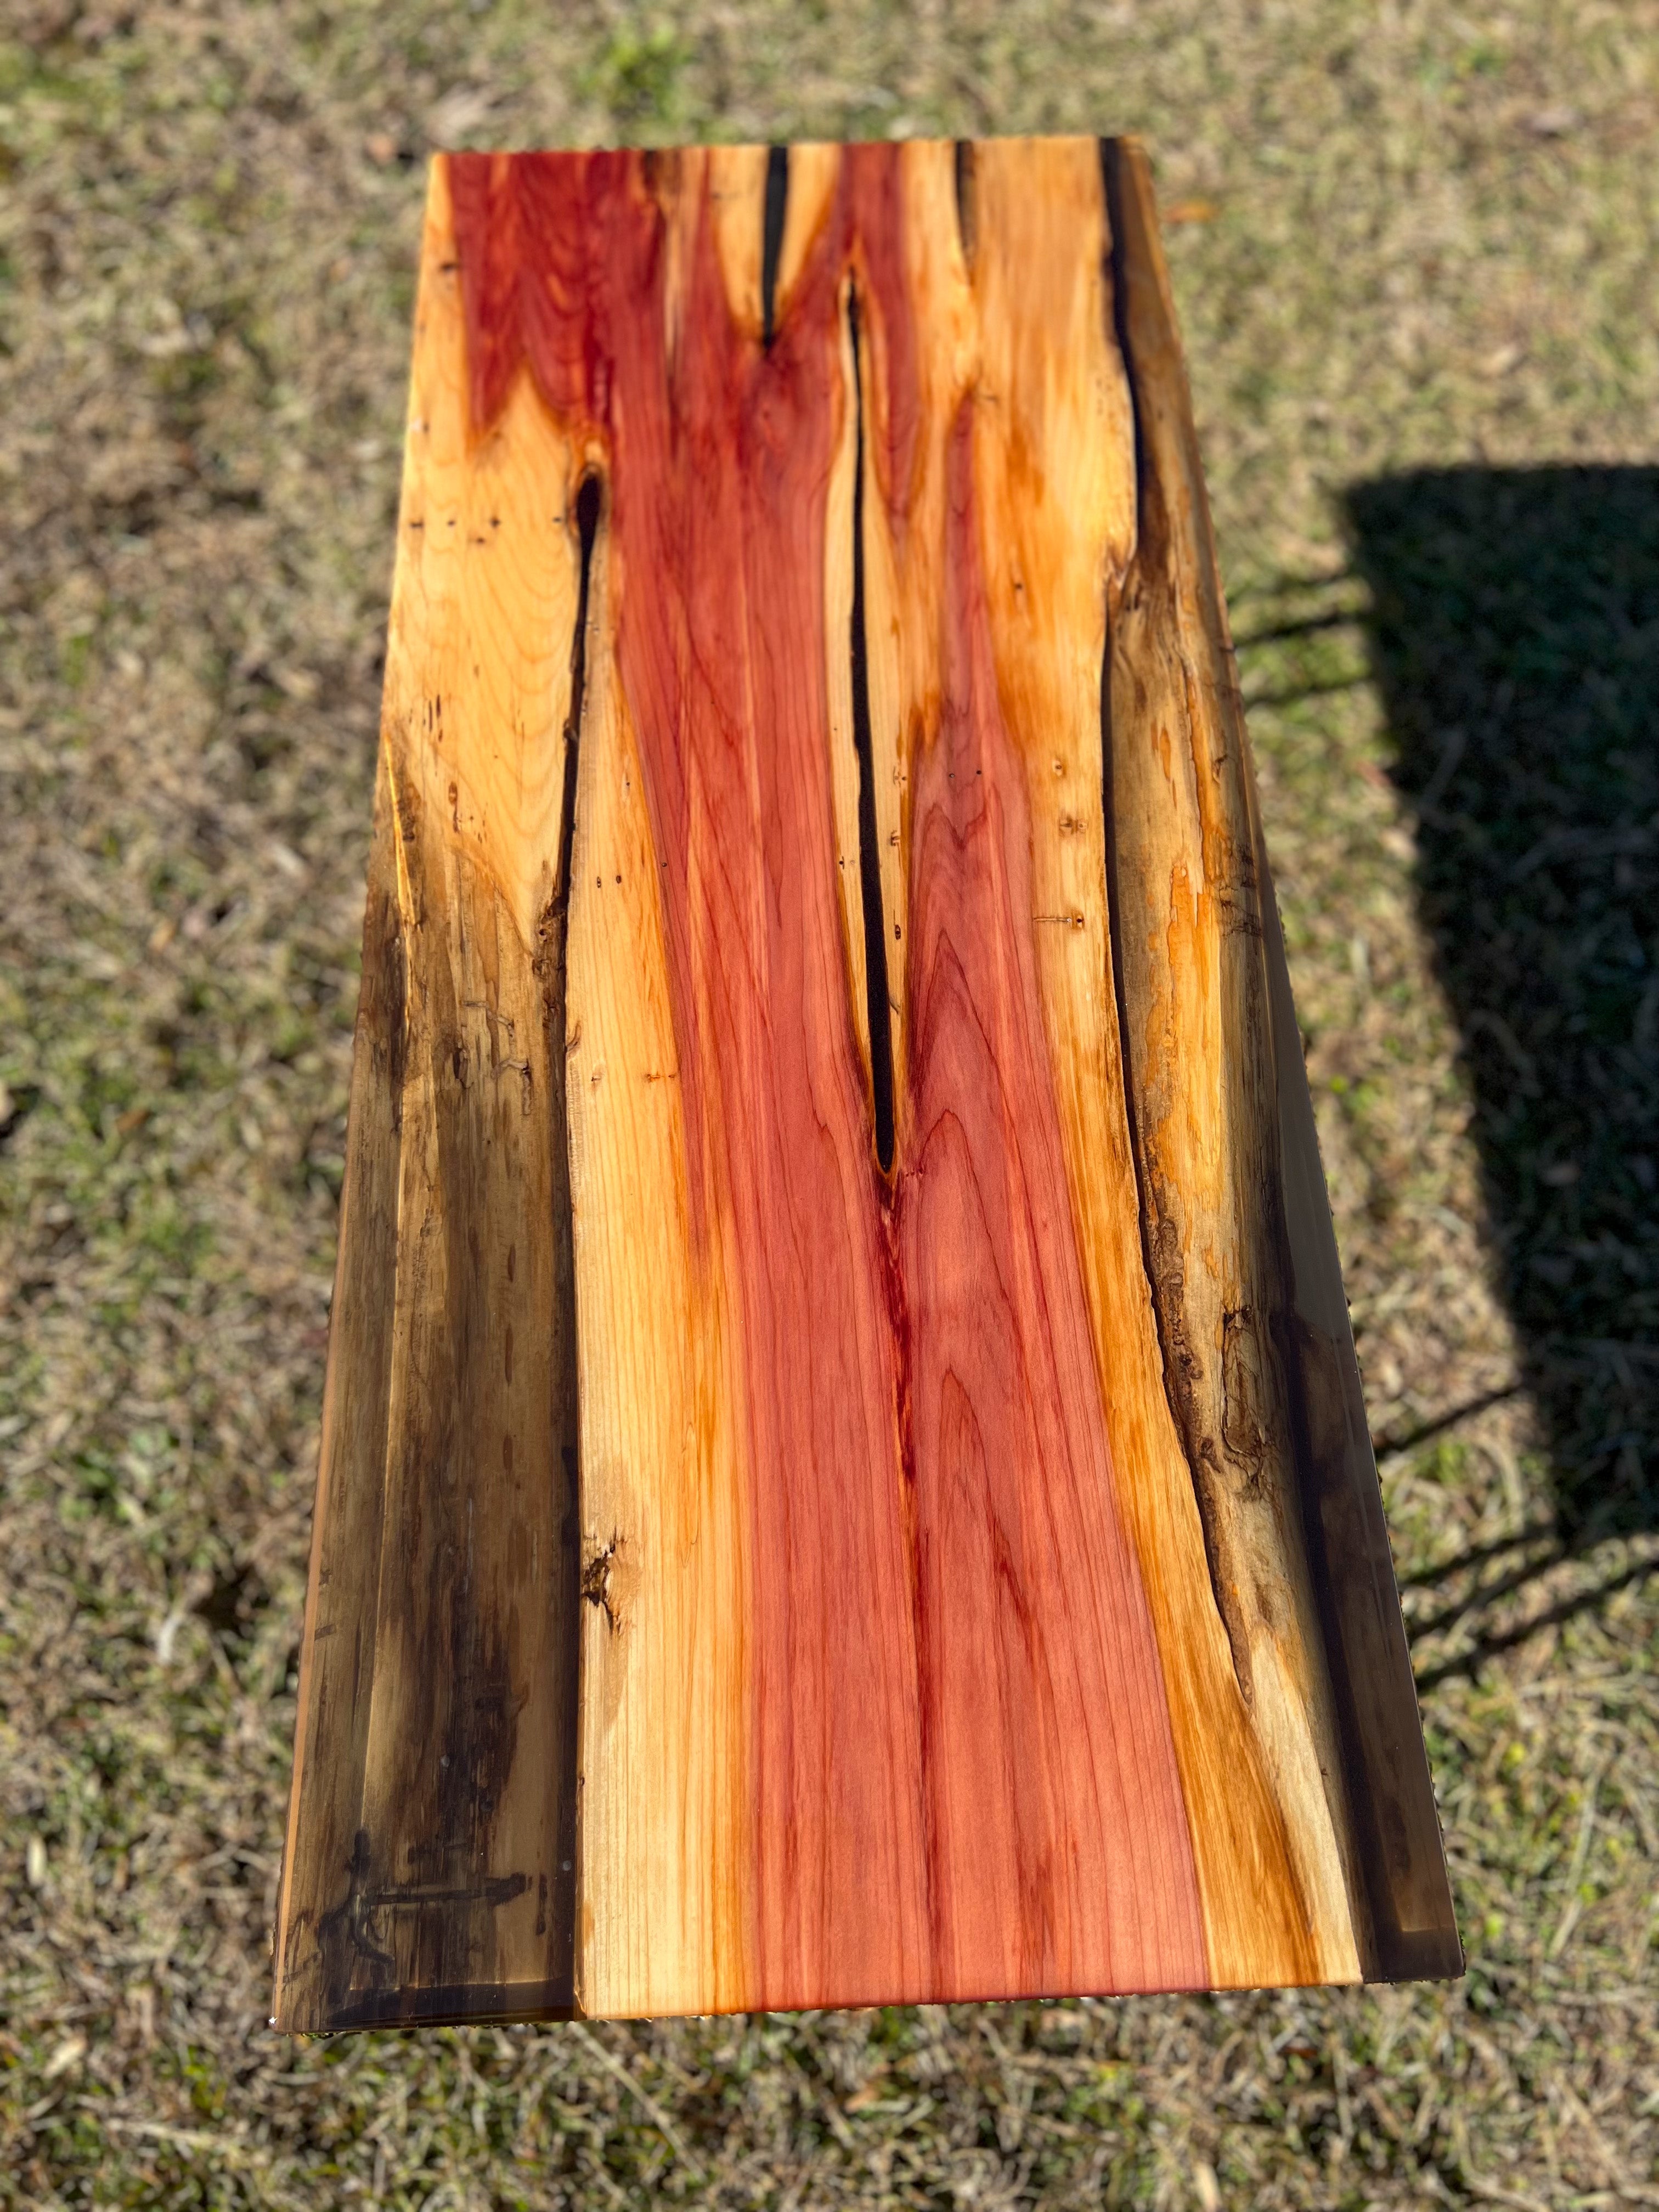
(777, 204)
(875, 934)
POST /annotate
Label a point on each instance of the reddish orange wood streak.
(963, 1776)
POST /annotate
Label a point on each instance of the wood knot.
(609, 1579)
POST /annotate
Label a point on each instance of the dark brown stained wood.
(430, 1856)
(337, 1657)
(840, 1480)
(1396, 1827)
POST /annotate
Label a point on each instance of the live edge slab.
(843, 1478)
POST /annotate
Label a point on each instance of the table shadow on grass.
(1514, 636)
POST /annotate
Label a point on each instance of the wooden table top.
(844, 1479)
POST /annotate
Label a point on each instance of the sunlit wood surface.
(843, 1475)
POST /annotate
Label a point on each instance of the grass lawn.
(1416, 251)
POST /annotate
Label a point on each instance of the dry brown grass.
(1416, 238)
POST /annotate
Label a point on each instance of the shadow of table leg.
(1515, 637)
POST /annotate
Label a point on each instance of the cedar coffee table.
(844, 1477)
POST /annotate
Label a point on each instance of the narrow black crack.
(589, 500)
(1112, 185)
(777, 201)
(1114, 896)
(552, 963)
(966, 201)
(875, 934)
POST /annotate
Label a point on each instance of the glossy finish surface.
(816, 1477)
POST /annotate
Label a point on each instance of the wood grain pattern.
(430, 1850)
(896, 1172)
(1294, 1511)
(1201, 1085)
